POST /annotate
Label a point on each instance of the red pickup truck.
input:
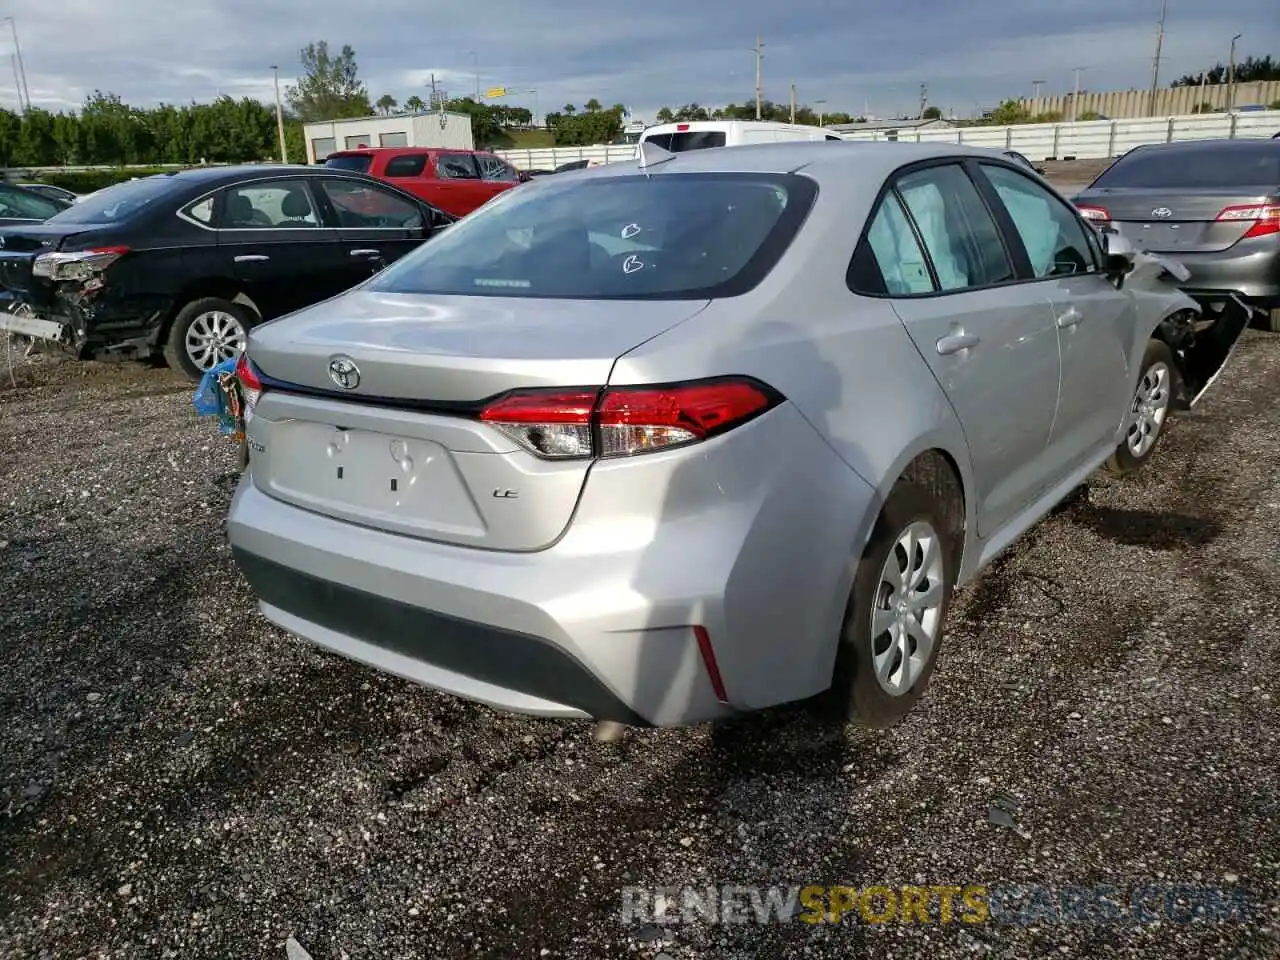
(456, 181)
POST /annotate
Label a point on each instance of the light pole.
(758, 51)
(475, 60)
(1155, 66)
(284, 151)
(1231, 75)
(23, 93)
(1075, 97)
(820, 104)
(1035, 88)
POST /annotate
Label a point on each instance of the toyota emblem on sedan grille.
(344, 372)
(1162, 212)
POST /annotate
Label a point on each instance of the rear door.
(1097, 324)
(375, 226)
(458, 184)
(989, 339)
(273, 239)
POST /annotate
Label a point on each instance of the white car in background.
(702, 134)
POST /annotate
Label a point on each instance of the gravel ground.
(179, 779)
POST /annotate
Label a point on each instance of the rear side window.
(901, 264)
(456, 166)
(689, 140)
(678, 236)
(406, 165)
(358, 162)
(959, 234)
(1233, 165)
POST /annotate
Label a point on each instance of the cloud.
(644, 55)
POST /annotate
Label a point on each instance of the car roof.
(865, 158)
(1207, 146)
(373, 151)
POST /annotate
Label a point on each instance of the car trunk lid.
(1165, 221)
(400, 447)
(18, 249)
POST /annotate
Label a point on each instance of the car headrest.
(295, 205)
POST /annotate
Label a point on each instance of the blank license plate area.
(1161, 236)
(405, 484)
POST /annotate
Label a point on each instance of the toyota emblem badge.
(344, 372)
(1162, 212)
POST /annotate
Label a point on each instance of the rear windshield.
(1233, 165)
(674, 236)
(119, 202)
(689, 140)
(26, 204)
(358, 162)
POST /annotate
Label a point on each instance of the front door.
(1095, 321)
(273, 241)
(989, 340)
(375, 226)
(497, 174)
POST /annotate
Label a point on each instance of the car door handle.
(366, 253)
(252, 258)
(956, 342)
(1070, 318)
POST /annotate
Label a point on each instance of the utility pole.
(1075, 97)
(793, 103)
(1155, 65)
(820, 104)
(284, 152)
(1231, 76)
(1204, 74)
(1035, 88)
(759, 77)
(24, 93)
(475, 61)
(924, 99)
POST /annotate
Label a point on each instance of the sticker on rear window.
(487, 282)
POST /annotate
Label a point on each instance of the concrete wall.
(1170, 101)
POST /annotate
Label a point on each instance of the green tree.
(664, 115)
(1249, 70)
(931, 113)
(414, 104)
(592, 105)
(329, 88)
(386, 104)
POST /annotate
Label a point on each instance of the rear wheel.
(1273, 320)
(205, 333)
(1150, 410)
(893, 625)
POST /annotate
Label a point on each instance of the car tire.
(868, 690)
(1273, 320)
(1149, 413)
(221, 323)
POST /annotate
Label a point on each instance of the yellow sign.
(496, 92)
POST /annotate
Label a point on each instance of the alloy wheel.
(213, 337)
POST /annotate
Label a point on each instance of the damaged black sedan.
(181, 265)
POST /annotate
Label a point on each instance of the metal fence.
(1086, 140)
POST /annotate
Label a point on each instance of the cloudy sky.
(855, 54)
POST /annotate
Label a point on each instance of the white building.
(435, 129)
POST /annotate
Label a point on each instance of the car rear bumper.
(602, 623)
(1246, 270)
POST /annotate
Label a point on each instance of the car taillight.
(628, 420)
(82, 265)
(1265, 217)
(250, 383)
(1098, 214)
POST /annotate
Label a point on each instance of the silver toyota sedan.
(670, 439)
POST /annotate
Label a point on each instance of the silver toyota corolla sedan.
(658, 442)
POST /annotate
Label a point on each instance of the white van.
(701, 134)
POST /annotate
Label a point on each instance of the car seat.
(296, 208)
(239, 211)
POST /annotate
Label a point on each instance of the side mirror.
(1120, 253)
